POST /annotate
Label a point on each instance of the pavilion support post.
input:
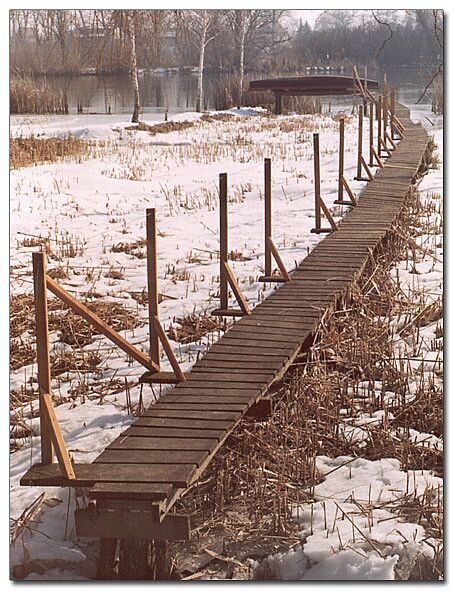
(342, 183)
(42, 352)
(278, 103)
(269, 246)
(318, 202)
(227, 277)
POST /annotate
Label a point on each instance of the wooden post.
(268, 215)
(385, 105)
(371, 116)
(379, 124)
(359, 144)
(392, 112)
(341, 161)
(317, 180)
(152, 285)
(365, 84)
(42, 352)
(223, 242)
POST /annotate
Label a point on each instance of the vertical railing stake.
(360, 144)
(371, 130)
(392, 112)
(385, 106)
(223, 242)
(42, 351)
(318, 202)
(379, 125)
(152, 284)
(268, 215)
(341, 161)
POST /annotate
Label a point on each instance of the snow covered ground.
(99, 203)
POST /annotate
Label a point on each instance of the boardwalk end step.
(123, 524)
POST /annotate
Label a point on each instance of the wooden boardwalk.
(168, 447)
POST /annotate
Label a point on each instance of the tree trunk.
(200, 75)
(133, 65)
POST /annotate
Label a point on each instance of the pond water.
(176, 91)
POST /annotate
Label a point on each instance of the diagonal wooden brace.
(47, 409)
(385, 147)
(235, 288)
(180, 376)
(99, 324)
(377, 158)
(352, 199)
(276, 255)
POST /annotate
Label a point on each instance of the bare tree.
(202, 27)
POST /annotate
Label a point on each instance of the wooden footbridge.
(134, 483)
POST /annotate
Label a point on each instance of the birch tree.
(203, 27)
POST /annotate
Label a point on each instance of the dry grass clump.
(26, 151)
(29, 97)
(136, 249)
(193, 327)
(207, 117)
(74, 361)
(162, 127)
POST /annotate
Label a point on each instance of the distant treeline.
(95, 41)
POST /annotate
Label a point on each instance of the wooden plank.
(138, 491)
(155, 411)
(147, 457)
(141, 431)
(87, 475)
(99, 324)
(251, 377)
(179, 422)
(201, 408)
(135, 443)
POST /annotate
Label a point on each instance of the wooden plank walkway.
(168, 447)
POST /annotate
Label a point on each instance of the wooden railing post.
(152, 285)
(317, 179)
(341, 161)
(360, 144)
(268, 215)
(371, 130)
(223, 242)
(379, 124)
(42, 352)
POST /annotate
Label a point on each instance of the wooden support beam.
(47, 408)
(99, 324)
(277, 257)
(236, 289)
(379, 161)
(152, 285)
(42, 351)
(385, 147)
(391, 141)
(352, 202)
(180, 376)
